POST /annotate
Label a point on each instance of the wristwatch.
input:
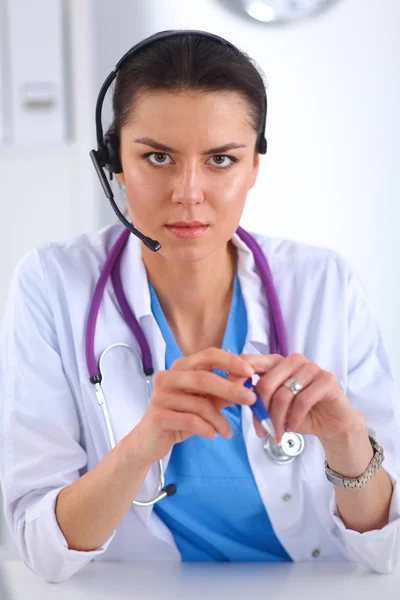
(358, 482)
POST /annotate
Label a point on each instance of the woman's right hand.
(187, 400)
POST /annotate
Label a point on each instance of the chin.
(185, 255)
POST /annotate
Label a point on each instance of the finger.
(262, 363)
(184, 423)
(236, 378)
(219, 403)
(202, 407)
(214, 358)
(271, 381)
(283, 400)
(260, 431)
(205, 382)
(317, 390)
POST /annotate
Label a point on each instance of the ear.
(120, 177)
(256, 166)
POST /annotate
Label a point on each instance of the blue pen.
(260, 411)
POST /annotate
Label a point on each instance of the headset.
(107, 155)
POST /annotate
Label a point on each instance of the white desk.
(213, 581)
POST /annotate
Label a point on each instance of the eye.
(220, 166)
(159, 158)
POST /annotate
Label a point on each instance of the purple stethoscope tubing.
(278, 342)
(112, 267)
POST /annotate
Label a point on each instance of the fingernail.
(228, 434)
(248, 370)
(247, 396)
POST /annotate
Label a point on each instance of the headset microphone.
(148, 242)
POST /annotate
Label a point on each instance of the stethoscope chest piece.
(290, 446)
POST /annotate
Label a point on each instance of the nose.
(187, 187)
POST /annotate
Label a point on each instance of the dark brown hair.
(188, 63)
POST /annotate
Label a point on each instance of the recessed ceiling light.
(261, 11)
(270, 11)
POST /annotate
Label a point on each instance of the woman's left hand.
(321, 408)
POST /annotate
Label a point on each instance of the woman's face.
(172, 171)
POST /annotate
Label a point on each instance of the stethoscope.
(291, 444)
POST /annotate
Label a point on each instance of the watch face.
(284, 10)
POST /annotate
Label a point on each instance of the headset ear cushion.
(113, 161)
(262, 147)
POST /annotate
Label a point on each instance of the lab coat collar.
(134, 278)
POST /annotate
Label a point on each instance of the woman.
(185, 143)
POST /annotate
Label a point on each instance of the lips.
(187, 224)
(187, 230)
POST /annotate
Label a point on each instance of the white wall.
(48, 191)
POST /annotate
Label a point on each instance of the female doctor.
(127, 431)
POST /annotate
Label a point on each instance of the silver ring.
(293, 385)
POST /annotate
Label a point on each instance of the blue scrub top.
(217, 513)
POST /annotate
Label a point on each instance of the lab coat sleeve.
(372, 389)
(41, 451)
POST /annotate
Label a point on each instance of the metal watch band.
(358, 482)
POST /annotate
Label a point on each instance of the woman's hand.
(187, 400)
(321, 408)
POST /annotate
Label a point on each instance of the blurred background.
(329, 178)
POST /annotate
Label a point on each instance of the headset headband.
(103, 149)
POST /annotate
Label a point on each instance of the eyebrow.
(159, 146)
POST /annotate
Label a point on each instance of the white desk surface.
(212, 581)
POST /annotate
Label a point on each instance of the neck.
(195, 296)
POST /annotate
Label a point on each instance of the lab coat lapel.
(255, 300)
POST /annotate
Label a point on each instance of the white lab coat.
(54, 431)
